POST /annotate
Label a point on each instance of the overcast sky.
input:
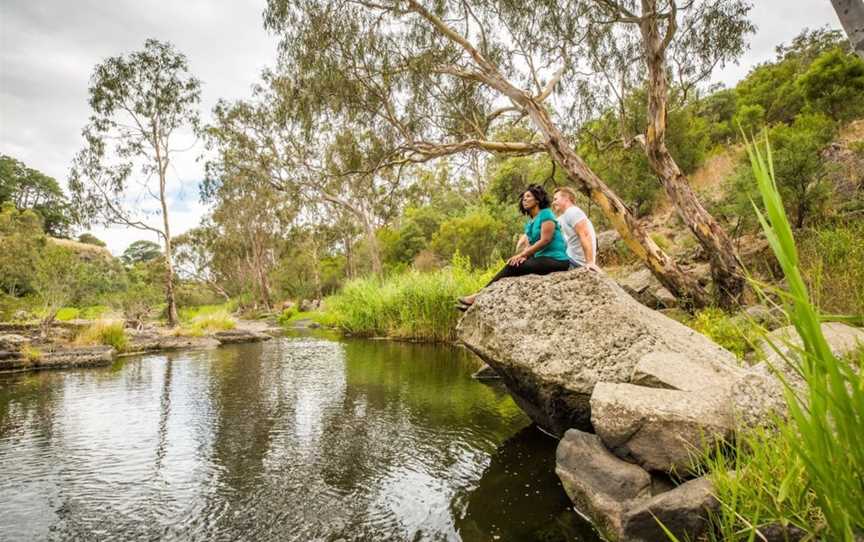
(48, 49)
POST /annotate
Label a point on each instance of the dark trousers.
(532, 266)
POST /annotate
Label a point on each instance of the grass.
(808, 471)
(203, 319)
(738, 335)
(832, 260)
(67, 313)
(411, 305)
(106, 332)
(32, 353)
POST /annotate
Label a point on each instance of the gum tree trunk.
(726, 269)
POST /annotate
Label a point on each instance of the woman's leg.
(531, 266)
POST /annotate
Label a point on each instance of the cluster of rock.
(634, 394)
(24, 348)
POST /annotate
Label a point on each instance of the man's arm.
(587, 243)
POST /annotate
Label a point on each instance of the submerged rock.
(621, 497)
(553, 338)
(601, 485)
(234, 336)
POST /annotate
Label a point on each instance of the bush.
(736, 334)
(107, 332)
(809, 471)
(67, 313)
(197, 321)
(412, 305)
(832, 262)
(287, 316)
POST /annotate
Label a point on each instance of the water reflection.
(302, 438)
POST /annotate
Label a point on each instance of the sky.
(48, 49)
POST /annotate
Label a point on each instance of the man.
(577, 228)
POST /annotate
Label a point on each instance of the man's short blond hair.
(568, 191)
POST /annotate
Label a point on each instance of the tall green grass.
(412, 305)
(808, 472)
(107, 332)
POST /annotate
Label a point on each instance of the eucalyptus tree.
(245, 229)
(851, 15)
(139, 103)
(432, 80)
(663, 43)
(260, 140)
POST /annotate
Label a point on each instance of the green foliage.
(21, 239)
(834, 84)
(832, 262)
(826, 423)
(204, 319)
(760, 481)
(736, 334)
(800, 171)
(141, 251)
(29, 189)
(67, 313)
(478, 235)
(105, 332)
(287, 315)
(412, 305)
(32, 353)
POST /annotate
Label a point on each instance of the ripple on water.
(294, 439)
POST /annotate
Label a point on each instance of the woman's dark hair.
(539, 194)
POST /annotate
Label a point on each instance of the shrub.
(736, 334)
(287, 315)
(412, 305)
(832, 262)
(67, 313)
(107, 332)
(793, 474)
(32, 354)
(197, 321)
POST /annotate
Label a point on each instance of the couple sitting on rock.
(543, 248)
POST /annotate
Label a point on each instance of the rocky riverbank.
(29, 347)
(633, 394)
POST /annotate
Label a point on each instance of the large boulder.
(600, 484)
(781, 349)
(661, 429)
(553, 338)
(683, 511)
(623, 500)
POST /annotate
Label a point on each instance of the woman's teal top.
(557, 247)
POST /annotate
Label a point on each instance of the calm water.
(299, 438)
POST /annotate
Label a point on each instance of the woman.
(544, 248)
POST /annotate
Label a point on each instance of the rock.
(842, 339)
(85, 356)
(660, 429)
(235, 336)
(665, 298)
(678, 372)
(764, 316)
(553, 337)
(638, 282)
(287, 305)
(606, 240)
(601, 485)
(485, 373)
(308, 305)
(757, 398)
(684, 511)
(778, 533)
(13, 342)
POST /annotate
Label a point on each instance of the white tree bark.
(851, 15)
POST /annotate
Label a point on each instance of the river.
(305, 437)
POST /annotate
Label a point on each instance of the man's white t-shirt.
(568, 220)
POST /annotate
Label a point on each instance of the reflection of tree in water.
(164, 414)
(520, 482)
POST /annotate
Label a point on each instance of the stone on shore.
(601, 485)
(678, 372)
(553, 338)
(235, 336)
(684, 511)
(660, 429)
